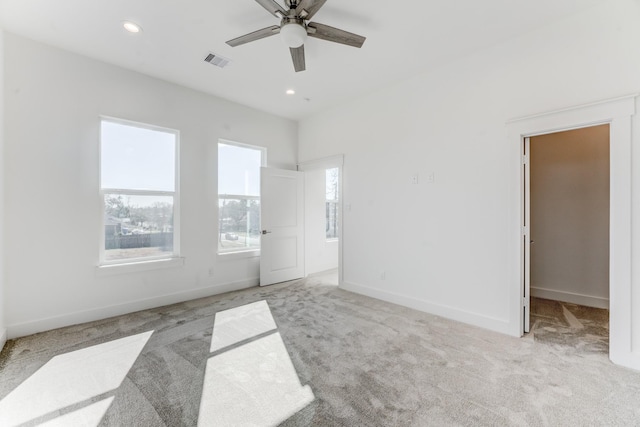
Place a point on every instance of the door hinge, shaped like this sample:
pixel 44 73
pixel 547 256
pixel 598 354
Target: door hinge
pixel 525 302
pixel 525 230
pixel 525 159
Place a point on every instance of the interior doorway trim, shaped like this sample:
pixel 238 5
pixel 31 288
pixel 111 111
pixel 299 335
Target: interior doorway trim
pixel 617 113
pixel 336 161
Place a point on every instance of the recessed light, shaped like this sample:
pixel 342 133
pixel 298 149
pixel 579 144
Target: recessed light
pixel 132 27
pixel 291 92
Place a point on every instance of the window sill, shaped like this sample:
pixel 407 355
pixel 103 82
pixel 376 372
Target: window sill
pixel 138 266
pixel 253 253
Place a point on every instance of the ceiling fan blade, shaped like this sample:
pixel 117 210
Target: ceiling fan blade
pixel 297 54
pixel 310 6
pixel 256 35
pixel 273 7
pixel 325 32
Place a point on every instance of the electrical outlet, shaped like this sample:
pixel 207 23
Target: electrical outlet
pixel 383 275
pixel 211 271
pixel 414 179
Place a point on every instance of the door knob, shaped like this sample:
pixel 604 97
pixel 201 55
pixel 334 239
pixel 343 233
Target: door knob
pixel 265 232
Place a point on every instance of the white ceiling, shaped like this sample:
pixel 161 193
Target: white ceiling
pixel 404 38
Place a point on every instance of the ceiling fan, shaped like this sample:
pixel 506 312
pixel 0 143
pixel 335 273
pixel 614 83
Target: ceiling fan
pixel 294 28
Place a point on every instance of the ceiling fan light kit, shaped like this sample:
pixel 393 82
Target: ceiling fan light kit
pixel 294 29
pixel 293 34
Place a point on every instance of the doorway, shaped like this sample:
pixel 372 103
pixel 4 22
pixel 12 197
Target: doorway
pixel 624 339
pixel 323 215
pixel 568 186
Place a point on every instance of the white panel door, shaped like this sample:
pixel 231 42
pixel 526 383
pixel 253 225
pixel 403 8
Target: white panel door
pixel 281 216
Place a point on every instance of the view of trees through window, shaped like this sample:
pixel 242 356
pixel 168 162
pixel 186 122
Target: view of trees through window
pixel 238 197
pixel 138 226
pixel 137 184
pixel 332 202
pixel 239 223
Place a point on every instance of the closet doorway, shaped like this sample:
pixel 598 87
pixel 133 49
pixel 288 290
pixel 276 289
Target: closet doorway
pixel 568 209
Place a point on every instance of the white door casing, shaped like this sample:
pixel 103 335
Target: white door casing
pixel 617 113
pixel 526 234
pixel 282 224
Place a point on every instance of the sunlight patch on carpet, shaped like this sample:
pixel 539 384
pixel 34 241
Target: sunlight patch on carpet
pixel 241 323
pixel 87 416
pixel 255 383
pixel 72 378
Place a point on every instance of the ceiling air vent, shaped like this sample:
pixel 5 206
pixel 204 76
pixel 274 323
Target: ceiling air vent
pixel 217 60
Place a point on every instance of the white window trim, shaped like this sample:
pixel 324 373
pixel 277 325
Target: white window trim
pixel 146 263
pixel 238 196
pixel 240 253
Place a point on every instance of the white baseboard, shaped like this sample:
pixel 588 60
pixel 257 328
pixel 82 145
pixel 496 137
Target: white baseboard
pixel 3 338
pixel 464 316
pixel 580 299
pixel 41 325
pixel 323 272
pixel 629 359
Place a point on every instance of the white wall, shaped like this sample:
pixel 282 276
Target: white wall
pixel 53 103
pixel 3 335
pixel 444 245
pixel 570 216
pixel 320 254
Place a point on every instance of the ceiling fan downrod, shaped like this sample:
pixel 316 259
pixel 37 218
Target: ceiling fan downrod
pixel 291 4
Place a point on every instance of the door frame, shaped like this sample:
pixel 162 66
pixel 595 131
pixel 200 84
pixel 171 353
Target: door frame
pixel 526 232
pixel 617 113
pixel 336 161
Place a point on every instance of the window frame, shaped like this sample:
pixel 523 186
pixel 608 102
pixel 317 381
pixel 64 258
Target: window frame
pixel 143 261
pixel 240 252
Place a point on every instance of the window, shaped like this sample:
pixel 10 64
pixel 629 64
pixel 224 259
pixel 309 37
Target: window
pixel 332 202
pixel 239 196
pixel 138 183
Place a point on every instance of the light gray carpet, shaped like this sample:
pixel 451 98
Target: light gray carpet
pixel 366 363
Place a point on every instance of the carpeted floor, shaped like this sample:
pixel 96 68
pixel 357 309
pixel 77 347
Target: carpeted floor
pixel 306 353
pixel 556 322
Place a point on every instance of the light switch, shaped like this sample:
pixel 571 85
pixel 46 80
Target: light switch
pixel 431 178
